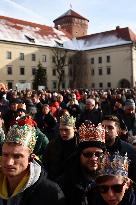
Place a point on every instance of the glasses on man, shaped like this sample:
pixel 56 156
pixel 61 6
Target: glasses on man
pixel 116 188
pixel 92 154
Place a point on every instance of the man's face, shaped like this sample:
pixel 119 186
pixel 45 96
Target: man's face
pixel 14 159
pixel 14 106
pixel 45 110
pixel 89 158
pixel 129 110
pixel 90 105
pixel 111 197
pixel 34 99
pixel 111 131
pixel 66 132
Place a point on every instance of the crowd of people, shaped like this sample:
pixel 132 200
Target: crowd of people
pixel 68 147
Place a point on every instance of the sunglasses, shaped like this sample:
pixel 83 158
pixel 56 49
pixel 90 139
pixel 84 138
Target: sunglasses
pixel 92 154
pixel 117 188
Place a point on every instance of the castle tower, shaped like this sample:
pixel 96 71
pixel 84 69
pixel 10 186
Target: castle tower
pixel 73 23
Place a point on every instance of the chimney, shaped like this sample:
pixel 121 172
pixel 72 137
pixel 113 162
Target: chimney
pixel 59 27
pixel 117 27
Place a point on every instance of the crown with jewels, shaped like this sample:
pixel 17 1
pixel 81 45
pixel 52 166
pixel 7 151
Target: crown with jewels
pixel 116 165
pixel 22 132
pixel 90 132
pixel 68 120
pixel 2 135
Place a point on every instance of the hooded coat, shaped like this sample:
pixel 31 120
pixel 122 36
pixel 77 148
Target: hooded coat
pixel 34 189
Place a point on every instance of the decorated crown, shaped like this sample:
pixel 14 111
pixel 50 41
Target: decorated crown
pixel 23 133
pixel 90 132
pixel 2 135
pixel 67 120
pixel 116 165
pixel 26 119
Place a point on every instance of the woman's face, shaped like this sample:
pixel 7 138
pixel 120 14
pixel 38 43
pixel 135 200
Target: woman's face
pixel 45 110
pixel 113 189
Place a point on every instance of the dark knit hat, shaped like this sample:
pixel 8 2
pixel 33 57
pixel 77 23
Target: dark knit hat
pixel 130 103
pixel 15 101
pixel 87 144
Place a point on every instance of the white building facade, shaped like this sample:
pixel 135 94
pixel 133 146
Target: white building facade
pixel 110 56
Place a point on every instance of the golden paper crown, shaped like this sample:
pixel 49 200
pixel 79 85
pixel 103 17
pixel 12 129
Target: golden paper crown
pixel 90 132
pixel 2 135
pixel 22 133
pixel 67 120
pixel 116 165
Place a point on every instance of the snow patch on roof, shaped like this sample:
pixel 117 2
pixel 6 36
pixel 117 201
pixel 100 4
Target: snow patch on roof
pixel 95 42
pixel 19 33
pixel 26 32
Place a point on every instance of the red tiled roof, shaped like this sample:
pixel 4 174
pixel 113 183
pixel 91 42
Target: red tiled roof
pixel 70 13
pixel 43 29
pixel 127 34
pixel 33 33
pixel 123 33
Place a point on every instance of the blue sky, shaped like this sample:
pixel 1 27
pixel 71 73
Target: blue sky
pixel 103 15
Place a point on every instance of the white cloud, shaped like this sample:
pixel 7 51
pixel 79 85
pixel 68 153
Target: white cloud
pixel 12 8
pixel 102 14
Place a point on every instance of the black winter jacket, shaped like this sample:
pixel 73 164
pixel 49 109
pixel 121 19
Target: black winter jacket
pixel 56 154
pixel 41 192
pixel 75 185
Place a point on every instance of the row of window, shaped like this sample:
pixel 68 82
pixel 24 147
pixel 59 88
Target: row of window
pixel 44 58
pixel 93 60
pixel 54 72
pixel 100 59
pixel 22 70
pixel 101 85
pixel 100 71
pixel 54 84
pixel 22 56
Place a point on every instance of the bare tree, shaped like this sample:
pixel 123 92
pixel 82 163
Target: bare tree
pixel 60 63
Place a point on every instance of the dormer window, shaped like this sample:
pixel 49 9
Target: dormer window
pixel 59 44
pixel 29 38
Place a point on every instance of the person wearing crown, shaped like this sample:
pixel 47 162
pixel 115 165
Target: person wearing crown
pixel 115 144
pixel 22 179
pixel 113 187
pixel 41 141
pixel 61 147
pixel 81 170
